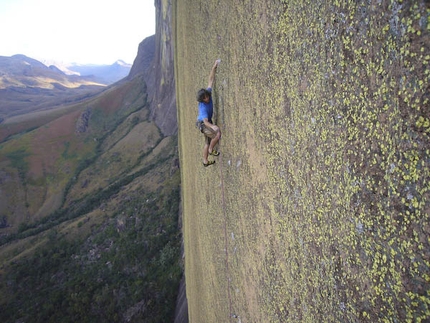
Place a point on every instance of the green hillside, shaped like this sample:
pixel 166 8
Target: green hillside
pixel 89 214
pixel 318 208
pixel 47 159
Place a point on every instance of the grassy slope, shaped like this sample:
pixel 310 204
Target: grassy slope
pixel 317 209
pixel 93 216
pixel 47 158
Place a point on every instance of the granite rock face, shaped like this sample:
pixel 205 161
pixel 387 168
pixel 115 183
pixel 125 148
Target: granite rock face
pixel 144 58
pixel 155 61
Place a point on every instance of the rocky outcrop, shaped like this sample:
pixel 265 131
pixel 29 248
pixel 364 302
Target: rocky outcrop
pixel 82 123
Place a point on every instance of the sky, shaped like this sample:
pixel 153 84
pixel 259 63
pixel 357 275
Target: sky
pixel 75 31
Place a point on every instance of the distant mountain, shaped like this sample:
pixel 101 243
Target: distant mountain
pixel 27 85
pixel 23 71
pixel 106 74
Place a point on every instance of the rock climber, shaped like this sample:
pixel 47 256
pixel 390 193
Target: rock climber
pixel 210 131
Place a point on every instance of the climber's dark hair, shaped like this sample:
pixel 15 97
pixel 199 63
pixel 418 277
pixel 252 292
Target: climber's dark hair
pixel 201 94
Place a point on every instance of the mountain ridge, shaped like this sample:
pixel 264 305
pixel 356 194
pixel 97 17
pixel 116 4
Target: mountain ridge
pixel 22 65
pixel 27 85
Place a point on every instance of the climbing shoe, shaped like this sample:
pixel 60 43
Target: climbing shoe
pixel 210 162
pixel 214 153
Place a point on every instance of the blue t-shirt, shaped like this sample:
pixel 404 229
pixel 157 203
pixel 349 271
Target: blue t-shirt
pixel 206 109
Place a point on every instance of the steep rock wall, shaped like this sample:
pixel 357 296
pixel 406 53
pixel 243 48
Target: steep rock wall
pixel 317 209
pixel 155 61
pixel 145 57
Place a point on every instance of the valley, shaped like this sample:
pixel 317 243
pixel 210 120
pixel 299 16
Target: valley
pixel 89 200
pixel 27 86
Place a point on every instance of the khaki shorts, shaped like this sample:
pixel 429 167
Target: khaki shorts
pixel 208 132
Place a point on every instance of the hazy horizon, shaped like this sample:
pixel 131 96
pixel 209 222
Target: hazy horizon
pixel 49 62
pixel 80 32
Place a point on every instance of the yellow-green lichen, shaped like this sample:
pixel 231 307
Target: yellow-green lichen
pixel 323 179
